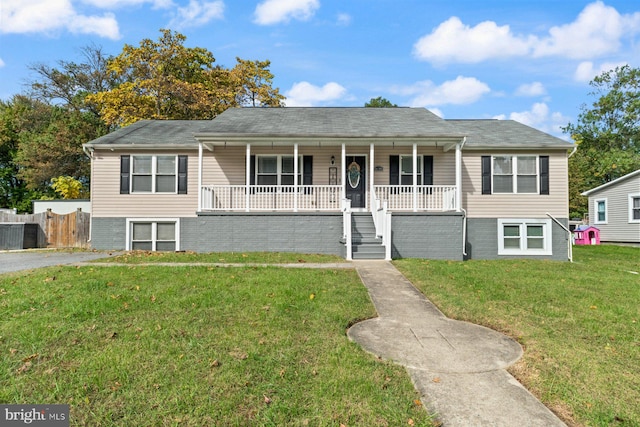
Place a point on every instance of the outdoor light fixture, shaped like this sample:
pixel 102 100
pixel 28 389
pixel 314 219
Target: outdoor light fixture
pixel 333 160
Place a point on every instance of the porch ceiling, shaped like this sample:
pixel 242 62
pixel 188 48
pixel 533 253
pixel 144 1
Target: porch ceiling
pixel 445 142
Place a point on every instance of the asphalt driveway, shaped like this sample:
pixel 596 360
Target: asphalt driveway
pixel 26 260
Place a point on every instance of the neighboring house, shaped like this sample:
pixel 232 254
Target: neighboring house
pixel 62 206
pixel 358 182
pixel 614 208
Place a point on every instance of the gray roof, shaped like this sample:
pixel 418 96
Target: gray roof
pixel 493 133
pixel 329 122
pixel 154 132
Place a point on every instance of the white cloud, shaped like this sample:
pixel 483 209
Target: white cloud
pixel 116 4
pixel 539 117
pixel 304 94
pixel 452 41
pixel 344 19
pixel 1 63
pixel 586 71
pixel 598 30
pixel 461 91
pixel 271 12
pixel 33 16
pixel 531 89
pixel 197 13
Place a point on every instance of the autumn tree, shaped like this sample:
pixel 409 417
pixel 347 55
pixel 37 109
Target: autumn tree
pixel 607 134
pixel 165 80
pixel 379 102
pixel 252 84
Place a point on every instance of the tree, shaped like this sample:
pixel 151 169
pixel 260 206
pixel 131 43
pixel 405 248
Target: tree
pixel 607 134
pixel 15 116
pixel 70 84
pixel 379 102
pixel 40 141
pixel 253 84
pixel 68 187
pixel 165 80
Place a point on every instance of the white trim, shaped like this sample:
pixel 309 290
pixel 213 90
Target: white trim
pixel 596 219
pixel 522 224
pixel 615 181
pixel 631 197
pixel 514 173
pixel 130 221
pixel 154 174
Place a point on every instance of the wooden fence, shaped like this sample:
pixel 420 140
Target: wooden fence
pixel 57 231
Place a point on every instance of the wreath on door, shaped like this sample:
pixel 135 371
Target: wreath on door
pixel 353 173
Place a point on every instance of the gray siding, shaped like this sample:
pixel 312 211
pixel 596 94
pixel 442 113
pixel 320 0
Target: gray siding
pixel 482 240
pixel 108 233
pixel 618 228
pixel 273 232
pixel 423 235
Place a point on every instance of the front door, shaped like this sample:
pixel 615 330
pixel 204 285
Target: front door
pixel 355 181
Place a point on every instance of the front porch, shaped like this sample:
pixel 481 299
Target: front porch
pixel 325 198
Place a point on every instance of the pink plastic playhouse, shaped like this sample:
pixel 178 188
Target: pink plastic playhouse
pixel 586 235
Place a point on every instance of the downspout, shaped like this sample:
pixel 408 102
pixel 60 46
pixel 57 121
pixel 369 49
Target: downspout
pixel 88 151
pixel 464 232
pixel 200 176
pixel 459 195
pixel 572 152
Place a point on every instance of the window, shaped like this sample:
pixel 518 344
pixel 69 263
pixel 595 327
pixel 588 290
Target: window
pixel 277 170
pixel 406 170
pixel 153 174
pixel 524 237
pixel 401 170
pixel 515 174
pixel 634 207
pixel 601 211
pixel 153 235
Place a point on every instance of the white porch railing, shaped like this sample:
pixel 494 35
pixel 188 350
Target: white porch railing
pixel 382 221
pixel 346 229
pixel 271 198
pixel 324 198
pixel 429 197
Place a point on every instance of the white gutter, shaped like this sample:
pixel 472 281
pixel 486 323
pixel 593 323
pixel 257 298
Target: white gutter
pixel 572 152
pixel 570 254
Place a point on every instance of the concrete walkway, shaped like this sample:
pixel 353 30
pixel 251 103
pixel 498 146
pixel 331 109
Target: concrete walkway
pixel 458 367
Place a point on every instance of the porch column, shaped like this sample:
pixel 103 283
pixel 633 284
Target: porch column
pixel 372 194
pixel 248 178
pixel 459 175
pixel 343 168
pixel 415 177
pixel 199 175
pixel 295 177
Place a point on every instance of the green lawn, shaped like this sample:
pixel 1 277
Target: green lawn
pixel 192 346
pixel 142 257
pixel 579 324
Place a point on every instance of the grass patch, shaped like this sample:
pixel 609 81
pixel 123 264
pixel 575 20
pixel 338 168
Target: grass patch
pixel 139 257
pixel 192 346
pixel 579 324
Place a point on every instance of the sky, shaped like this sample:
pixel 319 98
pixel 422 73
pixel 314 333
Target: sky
pixel 529 61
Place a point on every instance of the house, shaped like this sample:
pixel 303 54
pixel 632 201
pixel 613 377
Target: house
pixel 358 182
pixel 614 208
pixel 586 235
